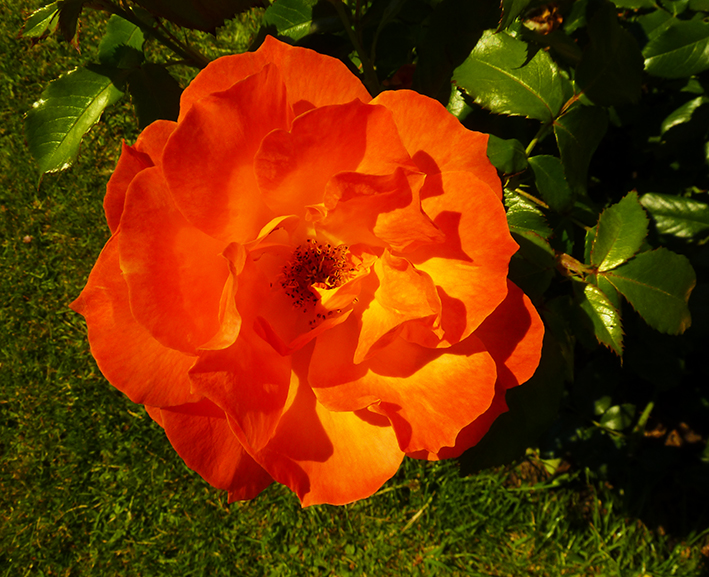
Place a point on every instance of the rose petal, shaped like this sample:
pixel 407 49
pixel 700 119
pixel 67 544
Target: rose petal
pixel 201 435
pixel 421 122
pixel 335 85
pixel 128 356
pixel 325 456
pixel 292 168
pixel 403 294
pixel 513 335
pixel 478 249
pixel 378 210
pixel 249 381
pixel 208 160
pixel 175 273
pixel 429 395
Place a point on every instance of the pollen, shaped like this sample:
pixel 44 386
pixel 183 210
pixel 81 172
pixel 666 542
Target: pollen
pixel 314 264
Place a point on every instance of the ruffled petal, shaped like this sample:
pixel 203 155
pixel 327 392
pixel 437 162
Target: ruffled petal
pixel 208 161
pixel 292 168
pixel 249 381
pixel 404 294
pixel 429 395
pixel 175 273
pixel 470 268
pixel 201 435
pixel 326 456
pixel 513 335
pixel 128 356
pixel 380 211
pixel 335 85
pixel 422 120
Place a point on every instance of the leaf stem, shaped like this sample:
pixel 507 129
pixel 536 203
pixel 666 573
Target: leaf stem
pixel 370 75
pixel 541 133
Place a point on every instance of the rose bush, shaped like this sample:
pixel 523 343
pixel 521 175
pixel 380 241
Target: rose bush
pixel 305 284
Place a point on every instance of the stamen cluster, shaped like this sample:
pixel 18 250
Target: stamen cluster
pixel 314 264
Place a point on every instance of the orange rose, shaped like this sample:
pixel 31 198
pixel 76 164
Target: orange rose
pixel 305 284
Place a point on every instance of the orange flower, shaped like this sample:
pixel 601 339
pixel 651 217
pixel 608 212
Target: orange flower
pixel 305 284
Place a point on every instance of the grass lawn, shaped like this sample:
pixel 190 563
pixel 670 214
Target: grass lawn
pixel 90 485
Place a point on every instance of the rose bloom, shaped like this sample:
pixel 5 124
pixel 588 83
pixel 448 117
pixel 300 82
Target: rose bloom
pixel 305 284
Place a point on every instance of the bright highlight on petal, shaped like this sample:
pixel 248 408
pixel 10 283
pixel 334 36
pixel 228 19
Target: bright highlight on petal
pixel 305 285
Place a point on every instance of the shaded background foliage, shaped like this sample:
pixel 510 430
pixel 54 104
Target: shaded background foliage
pixel 600 131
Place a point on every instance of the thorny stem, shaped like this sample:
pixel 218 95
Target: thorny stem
pixel 370 74
pixel 187 53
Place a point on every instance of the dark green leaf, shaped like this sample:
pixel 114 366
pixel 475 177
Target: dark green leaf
pixel 533 407
pixel 655 23
pixel 634 4
pixel 69 13
pixel 510 10
pixel 507 156
pixel 683 114
pixel 69 107
pixel 680 50
pixel 658 285
pixel 604 317
pixel 676 215
pixel 524 215
pixel 618 417
pixel 622 228
pixel 675 7
pixel 156 94
pixel 610 71
pixel 699 5
pixel 296 18
pixel 197 14
pixel 532 266
pixel 42 21
pixel 550 181
pixel 122 45
pixel 507 76
pixel 578 132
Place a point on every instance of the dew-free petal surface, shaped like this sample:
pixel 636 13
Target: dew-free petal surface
pixel 128 356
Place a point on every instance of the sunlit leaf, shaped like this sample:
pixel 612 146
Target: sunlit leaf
pixel 122 45
pixel 622 228
pixel 42 21
pixel 508 76
pixel 69 107
pixel 658 285
pixel 619 417
pixel 676 215
pixel 507 156
pixel 604 317
pixel 683 114
pixel 610 71
pixel 680 50
pixel 578 133
pixel 551 183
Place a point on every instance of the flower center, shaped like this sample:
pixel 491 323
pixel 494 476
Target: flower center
pixel 314 264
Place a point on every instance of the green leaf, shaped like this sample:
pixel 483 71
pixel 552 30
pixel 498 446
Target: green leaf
pixel 699 5
pixel 604 317
pixel 69 13
pixel 683 114
pixel 675 7
pixel 622 228
pixel 155 94
pixel 578 133
pixel 524 215
pixel 658 285
pixel 676 215
pixel 618 417
pixel 42 21
pixel 204 15
pixel 507 76
pixel 507 156
pixel 680 50
pixel 296 18
pixel 122 45
pixel 510 10
pixel 532 266
pixel 634 4
pixel 610 71
pixel 69 107
pixel 655 23
pixel 550 181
